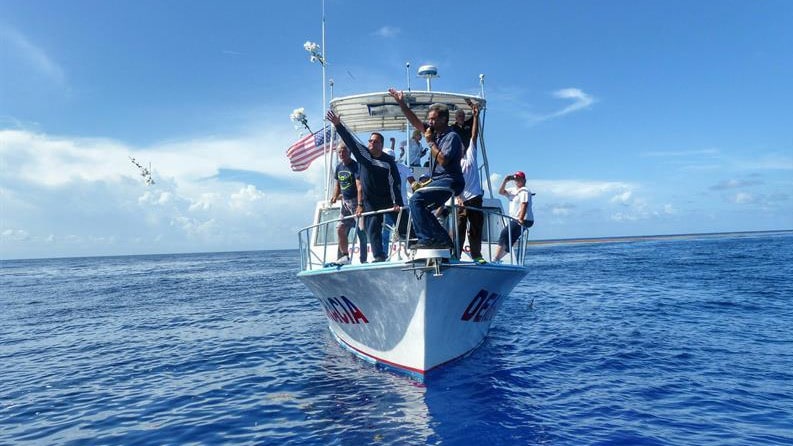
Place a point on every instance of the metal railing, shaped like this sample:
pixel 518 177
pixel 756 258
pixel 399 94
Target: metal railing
pixel 314 253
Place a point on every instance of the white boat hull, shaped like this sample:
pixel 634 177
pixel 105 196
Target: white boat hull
pixel 408 318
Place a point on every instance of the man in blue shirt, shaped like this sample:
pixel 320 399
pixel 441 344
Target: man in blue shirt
pixel 446 150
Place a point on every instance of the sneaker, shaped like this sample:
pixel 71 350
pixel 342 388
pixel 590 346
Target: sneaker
pixel 480 261
pixel 343 260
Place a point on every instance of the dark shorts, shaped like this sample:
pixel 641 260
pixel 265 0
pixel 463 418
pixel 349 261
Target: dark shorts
pixel 513 231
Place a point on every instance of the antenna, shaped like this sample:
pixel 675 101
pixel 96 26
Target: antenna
pixel 407 74
pixel 428 72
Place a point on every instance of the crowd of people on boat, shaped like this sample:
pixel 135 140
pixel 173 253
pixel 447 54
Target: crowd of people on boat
pixel 376 181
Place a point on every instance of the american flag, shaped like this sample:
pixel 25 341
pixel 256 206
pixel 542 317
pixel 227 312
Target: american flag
pixel 307 149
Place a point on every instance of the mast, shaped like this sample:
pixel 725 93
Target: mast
pixel 482 135
pixel 325 154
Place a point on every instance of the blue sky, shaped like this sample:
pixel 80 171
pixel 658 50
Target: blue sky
pixel 629 118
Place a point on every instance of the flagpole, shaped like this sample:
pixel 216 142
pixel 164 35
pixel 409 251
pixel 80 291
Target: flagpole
pixel 324 105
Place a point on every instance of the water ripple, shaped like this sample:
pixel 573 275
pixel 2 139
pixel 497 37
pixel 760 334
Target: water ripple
pixel 663 342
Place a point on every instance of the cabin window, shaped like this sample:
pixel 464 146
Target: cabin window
pixel 493 225
pixel 327 233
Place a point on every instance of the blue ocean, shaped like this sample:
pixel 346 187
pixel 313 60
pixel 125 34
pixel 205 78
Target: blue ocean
pixel 659 342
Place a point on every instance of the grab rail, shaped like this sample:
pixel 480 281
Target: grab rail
pixel 315 255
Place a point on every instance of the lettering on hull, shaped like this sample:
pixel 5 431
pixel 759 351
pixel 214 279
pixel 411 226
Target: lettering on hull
pixel 342 310
pixel 482 307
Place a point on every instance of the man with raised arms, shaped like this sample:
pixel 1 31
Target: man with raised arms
pixel 380 180
pixel 446 150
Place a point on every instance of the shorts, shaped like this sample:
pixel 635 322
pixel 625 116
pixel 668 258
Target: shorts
pixel 347 209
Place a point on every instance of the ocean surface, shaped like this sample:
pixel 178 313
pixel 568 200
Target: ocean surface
pixel 662 342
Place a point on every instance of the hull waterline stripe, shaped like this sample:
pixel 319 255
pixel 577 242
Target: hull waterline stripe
pixel 400 366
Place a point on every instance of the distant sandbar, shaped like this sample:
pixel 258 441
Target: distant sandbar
pixel 638 238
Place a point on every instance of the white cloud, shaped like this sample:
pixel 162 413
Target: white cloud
pixel 83 196
pixel 734 184
pixel 579 189
pixel 682 153
pixel 743 198
pixel 580 101
pixel 31 55
pixel 387 32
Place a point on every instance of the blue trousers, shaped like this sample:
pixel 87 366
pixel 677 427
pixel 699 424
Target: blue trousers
pixel 389 220
pixel 427 227
pixel 374 232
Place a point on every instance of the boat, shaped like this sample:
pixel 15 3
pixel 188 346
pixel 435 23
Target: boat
pixel 420 309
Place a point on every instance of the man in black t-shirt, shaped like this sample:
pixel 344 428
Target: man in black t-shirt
pixel 347 185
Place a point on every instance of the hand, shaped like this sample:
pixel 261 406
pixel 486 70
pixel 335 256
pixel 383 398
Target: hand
pixel 333 199
pixel 397 95
pixel 459 200
pixel 429 135
pixel 333 118
pixel 396 208
pixel 358 210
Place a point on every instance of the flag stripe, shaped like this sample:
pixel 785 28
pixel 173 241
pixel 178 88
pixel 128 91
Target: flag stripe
pixel 308 148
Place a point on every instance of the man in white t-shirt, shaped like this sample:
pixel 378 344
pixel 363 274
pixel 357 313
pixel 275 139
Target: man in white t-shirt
pixel 471 221
pixel 519 210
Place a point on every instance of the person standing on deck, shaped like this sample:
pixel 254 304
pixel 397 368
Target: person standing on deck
pixel 380 179
pixel 347 188
pixel 519 210
pixel 463 127
pixel 472 195
pixel 445 154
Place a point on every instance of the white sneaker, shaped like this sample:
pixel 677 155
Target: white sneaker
pixel 343 260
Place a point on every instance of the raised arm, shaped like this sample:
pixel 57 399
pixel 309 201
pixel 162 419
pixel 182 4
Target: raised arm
pixel 361 153
pixel 414 120
pixel 502 190
pixel 474 123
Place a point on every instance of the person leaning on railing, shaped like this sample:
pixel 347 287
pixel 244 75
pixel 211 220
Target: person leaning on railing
pixel 519 210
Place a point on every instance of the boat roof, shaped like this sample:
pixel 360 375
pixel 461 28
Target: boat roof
pixel 379 111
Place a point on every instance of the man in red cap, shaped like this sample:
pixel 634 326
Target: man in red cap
pixel 519 210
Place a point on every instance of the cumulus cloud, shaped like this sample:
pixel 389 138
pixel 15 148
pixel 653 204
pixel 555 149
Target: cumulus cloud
pixel 580 189
pixel 387 32
pixel 83 196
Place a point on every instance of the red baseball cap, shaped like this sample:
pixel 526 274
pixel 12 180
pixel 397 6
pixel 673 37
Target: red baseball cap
pixel 520 174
